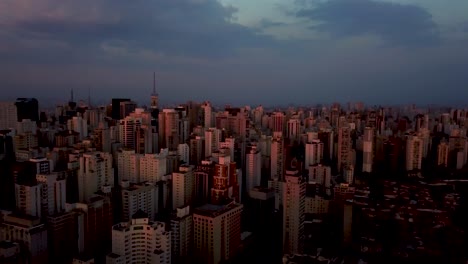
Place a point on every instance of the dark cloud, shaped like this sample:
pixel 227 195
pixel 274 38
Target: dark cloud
pixel 198 28
pixel 395 23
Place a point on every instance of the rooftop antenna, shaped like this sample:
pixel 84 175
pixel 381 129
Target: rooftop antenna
pixel 71 99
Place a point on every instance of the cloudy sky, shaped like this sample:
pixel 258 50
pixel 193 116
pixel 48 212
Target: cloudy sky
pixel 236 51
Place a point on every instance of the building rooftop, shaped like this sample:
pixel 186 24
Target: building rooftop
pixel 212 210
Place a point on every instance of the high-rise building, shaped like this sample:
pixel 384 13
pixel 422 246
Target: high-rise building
pixel 27 108
pixel 279 122
pixel 183 187
pixel 313 153
pixel 253 168
pixel 138 197
pixel 212 141
pixel 368 156
pixel 344 147
pixel 128 165
pixel 294 194
pixel 320 174
pixel 62 236
pixel 126 107
pixel 414 152
pixel 128 128
pixel 169 129
pixel 8 115
pixel 197 150
pixel 28 199
pixel 293 129
pixel 207 115
pixel 140 241
pixel 203 181
pixel 94 224
pixel 442 154
pixel 217 232
pixel 277 158
pixel 95 172
pixel 79 125
pixel 182 235
pixel 116 107
pixel 225 183
pixel 53 193
pixel 183 151
pixel 153 167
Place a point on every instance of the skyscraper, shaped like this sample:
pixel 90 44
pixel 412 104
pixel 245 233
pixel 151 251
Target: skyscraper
pixel 344 147
pixel 95 172
pixel 294 193
pixel 27 108
pixel 368 142
pixel 183 187
pixel 253 168
pixel 8 115
pixel 414 152
pixel 182 234
pixel 217 232
pixel 313 153
pixel 277 158
pixel 53 193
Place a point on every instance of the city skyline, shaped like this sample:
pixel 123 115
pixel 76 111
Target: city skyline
pixel 270 52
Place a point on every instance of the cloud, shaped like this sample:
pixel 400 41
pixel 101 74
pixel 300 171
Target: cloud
pixel 398 24
pixel 194 28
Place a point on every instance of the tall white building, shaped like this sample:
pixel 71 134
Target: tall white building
pixel 294 193
pixel 137 197
pixel 80 125
pixel 217 232
pixel 140 241
pixel 153 167
pixel 95 172
pixel 207 114
pixel 368 156
pixel 414 152
pixel 313 153
pixel 183 151
pixel 128 164
pixel 212 141
pixel 8 115
pixel 293 129
pixel 53 193
pixel 442 154
pixel 183 187
pixel 28 199
pixel 253 168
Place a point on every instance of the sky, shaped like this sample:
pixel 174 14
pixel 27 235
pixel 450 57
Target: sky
pixel 270 52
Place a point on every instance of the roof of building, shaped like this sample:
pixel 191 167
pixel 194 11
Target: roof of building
pixel 212 210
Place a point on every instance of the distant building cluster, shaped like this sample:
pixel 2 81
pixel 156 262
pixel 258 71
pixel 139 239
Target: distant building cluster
pixel 124 184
